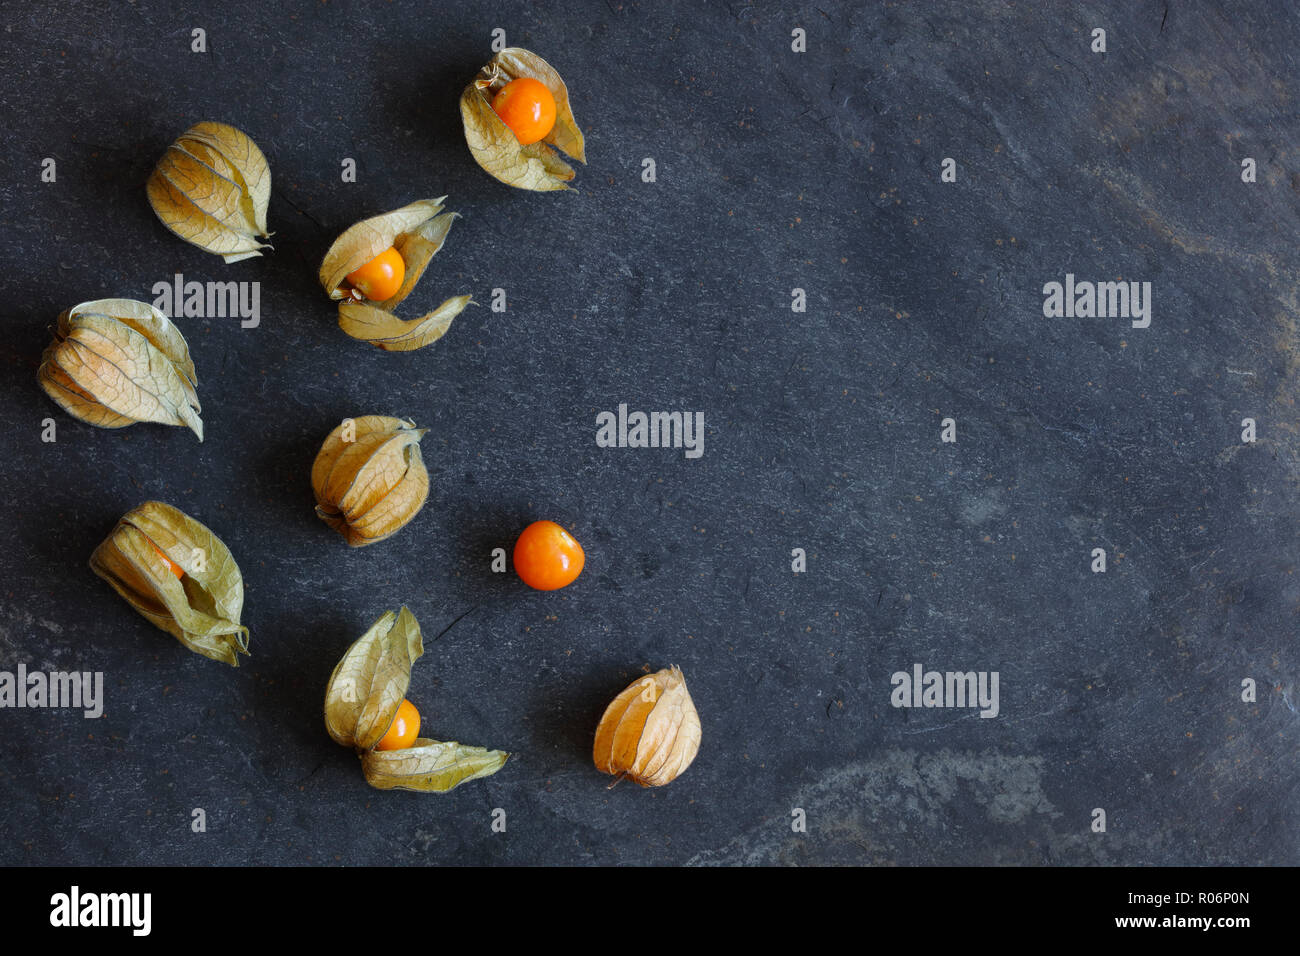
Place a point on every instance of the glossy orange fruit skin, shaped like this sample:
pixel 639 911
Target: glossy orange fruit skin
pixel 380 278
pixel 404 729
pixel 172 566
pixel 527 107
pixel 547 557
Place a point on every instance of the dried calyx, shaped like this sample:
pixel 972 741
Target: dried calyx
pixel 115 362
pixel 416 232
pixel 537 166
pixel 212 188
pixel 369 478
pixel 650 733
pixel 363 696
pixel 179 576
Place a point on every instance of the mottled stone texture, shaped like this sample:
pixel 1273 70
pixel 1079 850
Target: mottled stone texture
pixel 775 171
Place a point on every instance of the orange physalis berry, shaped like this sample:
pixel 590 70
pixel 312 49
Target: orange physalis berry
pixel 547 557
pixel 404 729
pixel 380 278
pixel 172 566
pixel 527 107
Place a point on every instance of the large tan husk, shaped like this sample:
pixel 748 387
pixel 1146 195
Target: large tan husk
pixel 202 609
pixel 212 188
pixel 115 362
pixel 650 733
pixel 417 231
pixel 367 489
pixel 494 147
pixel 362 698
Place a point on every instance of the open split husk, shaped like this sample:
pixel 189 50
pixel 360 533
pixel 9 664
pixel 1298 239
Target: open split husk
pixel 650 733
pixel 494 147
pixel 362 697
pixel 115 362
pixel 212 188
pixel 202 609
pixel 417 232
pixel 369 478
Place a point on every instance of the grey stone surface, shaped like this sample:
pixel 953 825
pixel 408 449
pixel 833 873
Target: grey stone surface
pixel 775 170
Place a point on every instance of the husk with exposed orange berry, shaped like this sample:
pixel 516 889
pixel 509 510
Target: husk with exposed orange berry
pixel 538 166
pixel 417 231
pixel 362 698
pixel 202 606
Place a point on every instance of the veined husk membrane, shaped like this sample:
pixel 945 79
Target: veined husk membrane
pixel 212 188
pixel 650 733
pixel 369 478
pixel 116 362
pixel 200 609
pixel 364 692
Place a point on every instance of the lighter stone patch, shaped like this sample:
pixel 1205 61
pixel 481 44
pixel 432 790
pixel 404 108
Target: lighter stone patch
pixel 887 800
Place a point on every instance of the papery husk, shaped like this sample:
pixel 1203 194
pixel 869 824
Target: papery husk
pixel 362 699
pixel 212 188
pixel 386 331
pixel 430 765
pixel 368 489
pixel 370 681
pixel 650 733
pixel 202 609
pixel 116 362
pixel 417 231
pixel 494 147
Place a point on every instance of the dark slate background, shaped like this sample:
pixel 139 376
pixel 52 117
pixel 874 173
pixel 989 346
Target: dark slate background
pixel 775 170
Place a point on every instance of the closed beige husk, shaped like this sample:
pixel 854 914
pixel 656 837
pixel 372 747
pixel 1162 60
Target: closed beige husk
pixel 115 362
pixel 651 731
pixel 369 478
pixel 212 188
